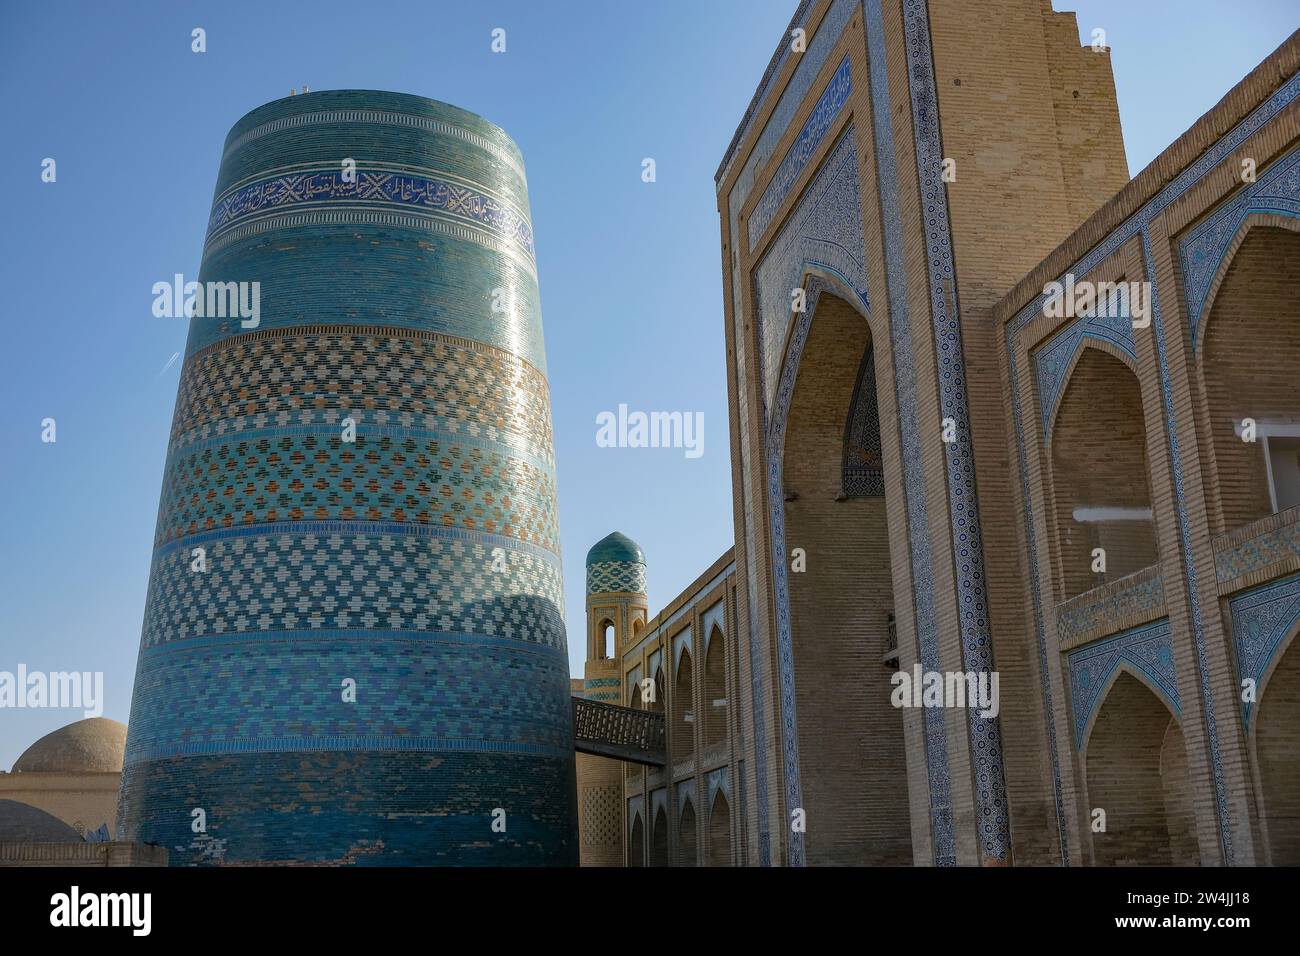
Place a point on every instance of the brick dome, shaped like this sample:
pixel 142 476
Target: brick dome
pixel 94 745
pixel 22 823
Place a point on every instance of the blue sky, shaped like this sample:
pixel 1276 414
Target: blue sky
pixel 630 272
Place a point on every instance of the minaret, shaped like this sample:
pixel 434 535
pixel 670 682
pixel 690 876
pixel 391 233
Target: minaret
pixel 353 647
pixel 617 610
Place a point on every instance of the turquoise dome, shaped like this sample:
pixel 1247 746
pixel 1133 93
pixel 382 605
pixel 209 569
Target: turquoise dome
pixel 615 547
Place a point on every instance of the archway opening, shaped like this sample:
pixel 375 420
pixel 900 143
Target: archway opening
pixel 720 831
pixel 607 640
pixel 686 836
pixel 1137 776
pixel 659 839
pixel 1251 336
pixel 1104 527
pixel 852 761
pixel 683 716
pixel 636 845
pixel 1277 755
pixel 714 703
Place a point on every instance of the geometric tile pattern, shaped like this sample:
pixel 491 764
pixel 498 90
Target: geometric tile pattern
pixel 920 554
pixel 260 477
pixel 601 823
pixel 1262 619
pixel 607 689
pixel 801 150
pixel 317 577
pixel 317 376
pixel 1234 557
pixel 615 576
pixel 1145 649
pixel 863 474
pixel 1107 606
pixel 824 232
pixel 963 502
pixel 282 691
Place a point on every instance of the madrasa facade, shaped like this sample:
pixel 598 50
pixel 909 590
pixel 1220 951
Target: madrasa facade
pixel 1016 486
pixel 1016 490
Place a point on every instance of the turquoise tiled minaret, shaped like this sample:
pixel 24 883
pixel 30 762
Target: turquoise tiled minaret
pixel 353 649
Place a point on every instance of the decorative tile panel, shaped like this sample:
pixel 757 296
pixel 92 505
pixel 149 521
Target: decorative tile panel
pixel 863 467
pixel 824 233
pixel 1114 606
pixel 614 576
pixel 963 503
pixel 1146 649
pixel 942 836
pixel 832 102
pixel 1270 546
pixel 1201 251
pixel 1262 620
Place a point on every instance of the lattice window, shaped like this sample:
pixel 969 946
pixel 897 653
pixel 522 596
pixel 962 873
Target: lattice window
pixel 863 470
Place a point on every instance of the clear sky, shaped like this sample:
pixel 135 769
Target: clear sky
pixel 630 272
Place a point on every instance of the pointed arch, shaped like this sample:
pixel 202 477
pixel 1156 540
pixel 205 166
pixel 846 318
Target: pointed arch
pixel 659 837
pixel 1050 403
pixel 1135 767
pixel 1275 752
pixel 832 624
pixel 683 708
pixel 636 842
pixel 1200 310
pixel 1248 336
pixel 719 830
pixel 714 700
pixel 686 837
pixel 1098 477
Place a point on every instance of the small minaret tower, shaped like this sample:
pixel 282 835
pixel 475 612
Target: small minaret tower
pixel 617 611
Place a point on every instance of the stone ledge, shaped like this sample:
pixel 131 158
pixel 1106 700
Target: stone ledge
pixel 1111 608
pixel 81 854
pixel 1257 552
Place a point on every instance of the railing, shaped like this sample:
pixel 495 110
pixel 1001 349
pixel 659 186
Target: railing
pixel 607 730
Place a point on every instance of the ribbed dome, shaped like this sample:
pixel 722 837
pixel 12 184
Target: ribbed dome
pixel 615 547
pixel 21 823
pixel 94 745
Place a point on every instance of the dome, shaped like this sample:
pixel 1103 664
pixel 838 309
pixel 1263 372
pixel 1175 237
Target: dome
pixel 94 745
pixel 615 547
pixel 21 823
